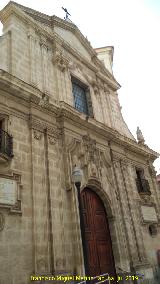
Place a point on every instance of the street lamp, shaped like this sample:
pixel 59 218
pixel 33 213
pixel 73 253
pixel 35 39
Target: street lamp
pixel 77 175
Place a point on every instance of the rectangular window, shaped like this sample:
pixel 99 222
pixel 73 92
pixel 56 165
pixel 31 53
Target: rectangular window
pixel 6 140
pixel 141 182
pixel 79 92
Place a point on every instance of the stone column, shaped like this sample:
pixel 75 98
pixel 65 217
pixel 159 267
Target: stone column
pixel 119 240
pixel 32 58
pixel 58 203
pixel 107 108
pixel 133 208
pixel 125 211
pixel 40 204
pixel 9 53
pixel 45 67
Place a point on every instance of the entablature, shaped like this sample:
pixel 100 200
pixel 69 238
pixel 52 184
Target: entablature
pixel 17 87
pixel 106 132
pixel 21 90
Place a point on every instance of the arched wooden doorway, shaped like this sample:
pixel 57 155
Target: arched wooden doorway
pixel 97 235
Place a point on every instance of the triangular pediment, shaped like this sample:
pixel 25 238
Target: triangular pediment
pixel 67 30
pixel 68 34
pixel 72 39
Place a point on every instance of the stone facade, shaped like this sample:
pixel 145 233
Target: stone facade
pixel 158 180
pixel 40 233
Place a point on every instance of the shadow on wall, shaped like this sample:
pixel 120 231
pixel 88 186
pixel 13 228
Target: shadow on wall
pixel 156 273
pixel 1 27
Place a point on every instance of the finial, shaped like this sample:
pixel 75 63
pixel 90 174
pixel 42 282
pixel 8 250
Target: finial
pixel 67 13
pixel 140 137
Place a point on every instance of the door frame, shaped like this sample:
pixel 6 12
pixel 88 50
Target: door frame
pixel 95 186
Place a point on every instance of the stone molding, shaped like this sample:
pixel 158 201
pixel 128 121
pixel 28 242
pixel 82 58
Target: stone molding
pixel 90 147
pixel 68 112
pixel 42 126
pixel 37 135
pixel 52 140
pixel 24 17
pixel 97 66
pixel 96 87
pixel 60 60
pixel 42 265
pixel 73 28
pixel 127 160
pixel 16 208
pixel 114 135
pixel 18 88
pixel 104 77
pixel 35 17
pixel 85 153
pixel 152 170
pixel 54 20
pixel 96 185
pixel 2 221
pixel 44 101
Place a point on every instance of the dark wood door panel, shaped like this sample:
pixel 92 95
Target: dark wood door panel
pixel 92 254
pixel 97 234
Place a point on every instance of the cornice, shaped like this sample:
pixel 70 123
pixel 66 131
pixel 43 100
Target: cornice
pixel 118 157
pixel 40 125
pixel 26 94
pixel 56 21
pixel 114 85
pixel 52 36
pixel 13 8
pixel 17 87
pixel 108 133
pixel 47 107
pixel 76 54
pixel 32 16
pixel 111 82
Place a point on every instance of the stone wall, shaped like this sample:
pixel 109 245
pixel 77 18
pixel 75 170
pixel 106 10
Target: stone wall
pixel 35 53
pixel 17 235
pixel 41 233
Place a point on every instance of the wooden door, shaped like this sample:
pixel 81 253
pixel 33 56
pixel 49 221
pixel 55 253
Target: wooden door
pixel 97 235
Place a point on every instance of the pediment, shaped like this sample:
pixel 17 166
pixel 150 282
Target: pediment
pixel 67 30
pixel 72 39
pixel 65 33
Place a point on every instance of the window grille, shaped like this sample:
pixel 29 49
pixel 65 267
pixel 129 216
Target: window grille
pixel 142 183
pixel 80 97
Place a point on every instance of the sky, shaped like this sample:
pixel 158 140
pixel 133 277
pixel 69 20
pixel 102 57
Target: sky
pixel 132 27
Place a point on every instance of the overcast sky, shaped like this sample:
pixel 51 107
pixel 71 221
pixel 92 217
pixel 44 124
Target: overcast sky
pixel 133 28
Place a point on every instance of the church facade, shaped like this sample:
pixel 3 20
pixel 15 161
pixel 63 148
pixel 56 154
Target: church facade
pixel 59 108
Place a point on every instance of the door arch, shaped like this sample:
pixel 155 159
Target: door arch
pixel 97 235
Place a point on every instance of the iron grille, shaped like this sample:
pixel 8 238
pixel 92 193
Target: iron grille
pixel 143 186
pixel 80 99
pixel 6 144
